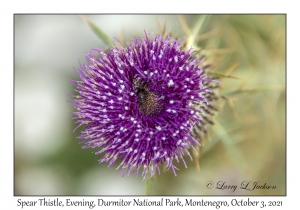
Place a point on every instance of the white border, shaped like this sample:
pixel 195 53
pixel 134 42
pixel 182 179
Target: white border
pixel 154 6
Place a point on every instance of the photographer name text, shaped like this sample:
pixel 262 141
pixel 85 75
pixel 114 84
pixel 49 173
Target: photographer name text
pixel 245 185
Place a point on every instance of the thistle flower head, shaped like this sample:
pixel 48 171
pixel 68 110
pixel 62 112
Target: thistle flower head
pixel 140 104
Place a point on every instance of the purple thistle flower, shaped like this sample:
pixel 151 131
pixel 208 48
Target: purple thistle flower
pixel 141 103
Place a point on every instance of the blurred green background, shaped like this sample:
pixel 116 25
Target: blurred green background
pixel 248 142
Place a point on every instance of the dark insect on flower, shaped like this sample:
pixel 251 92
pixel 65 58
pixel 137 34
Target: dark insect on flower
pixel 143 104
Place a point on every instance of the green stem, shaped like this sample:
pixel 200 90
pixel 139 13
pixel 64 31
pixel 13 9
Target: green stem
pixel 97 30
pixel 195 30
pixel 149 185
pixel 219 74
pixel 255 90
pixel 229 144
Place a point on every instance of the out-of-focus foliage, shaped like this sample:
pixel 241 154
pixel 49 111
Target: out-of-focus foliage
pixel 247 143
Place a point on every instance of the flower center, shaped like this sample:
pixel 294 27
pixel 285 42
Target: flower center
pixel 150 103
